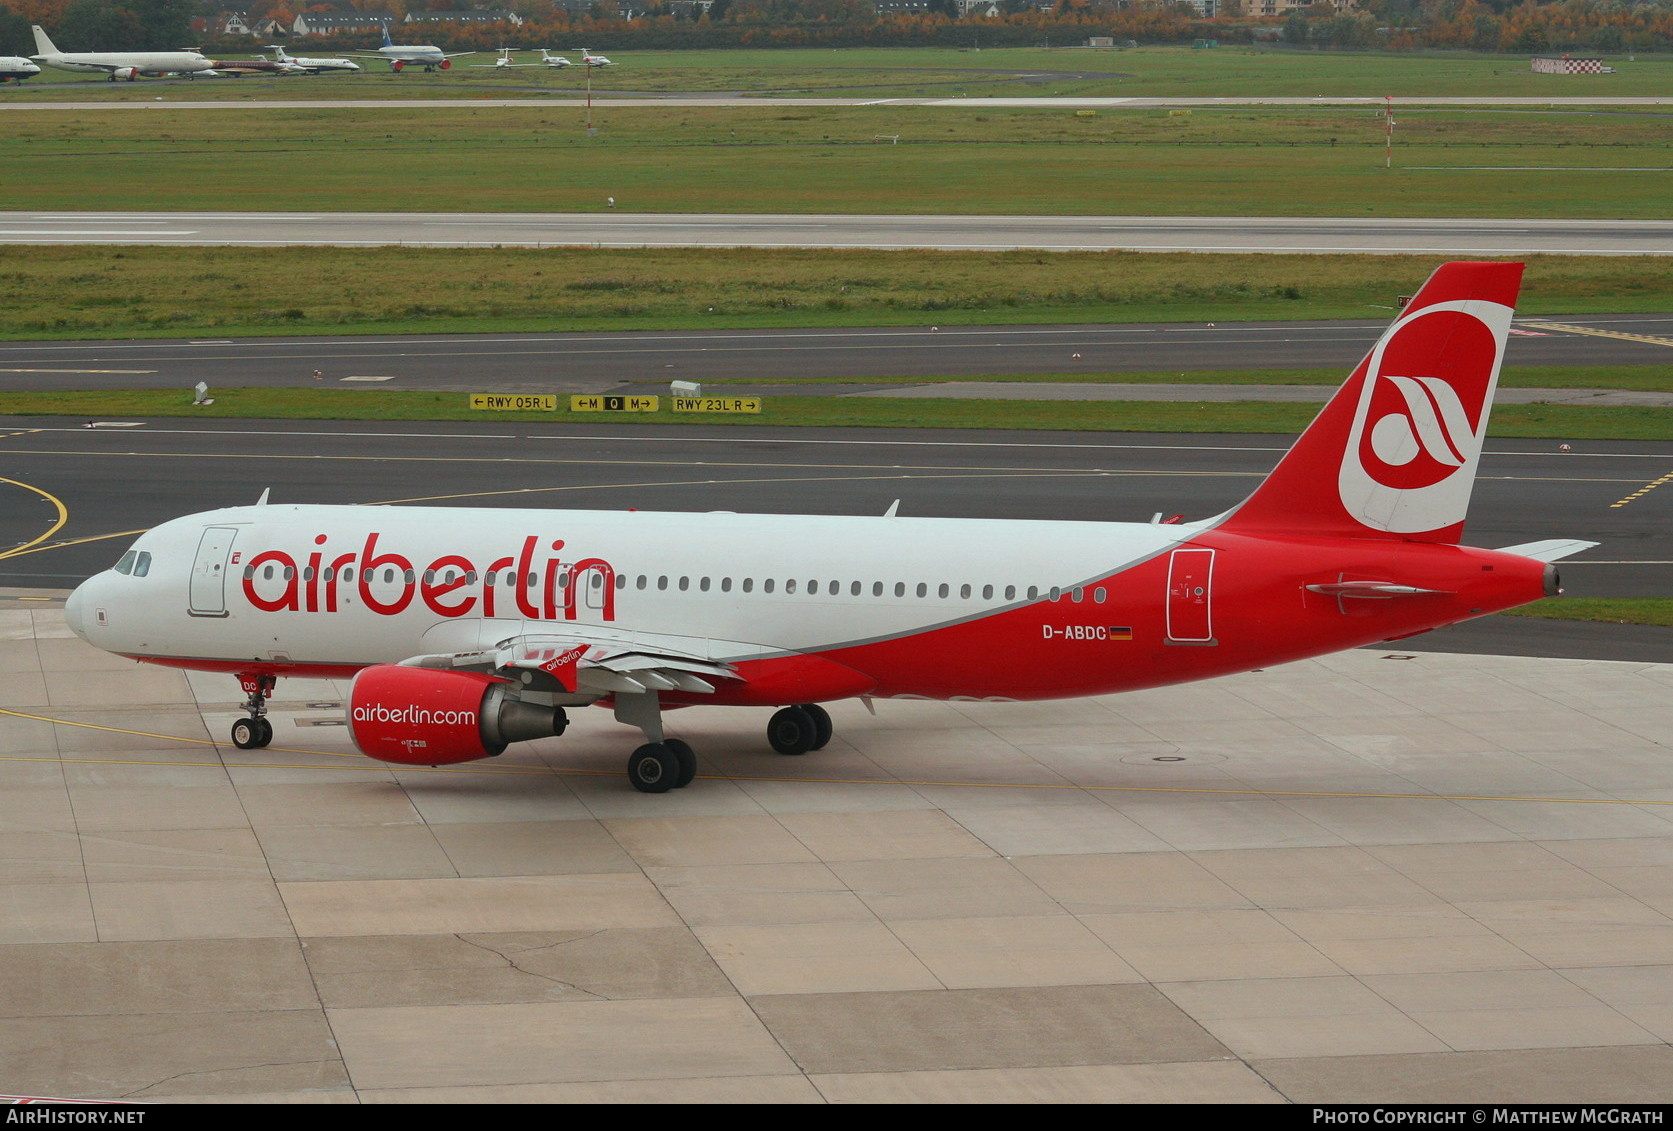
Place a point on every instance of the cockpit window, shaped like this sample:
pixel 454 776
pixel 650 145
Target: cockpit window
pixel 142 564
pixel 125 564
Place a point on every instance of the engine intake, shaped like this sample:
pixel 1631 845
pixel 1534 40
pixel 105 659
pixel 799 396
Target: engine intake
pixel 424 717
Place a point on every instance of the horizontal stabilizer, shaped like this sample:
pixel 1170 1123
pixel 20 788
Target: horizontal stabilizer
pixel 1550 550
pixel 1371 589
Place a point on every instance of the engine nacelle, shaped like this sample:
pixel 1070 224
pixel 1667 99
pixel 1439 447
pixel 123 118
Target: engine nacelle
pixel 446 64
pixel 398 66
pixel 424 717
pixel 127 74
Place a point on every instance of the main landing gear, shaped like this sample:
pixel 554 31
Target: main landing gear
pixel 254 732
pixel 798 729
pixel 663 763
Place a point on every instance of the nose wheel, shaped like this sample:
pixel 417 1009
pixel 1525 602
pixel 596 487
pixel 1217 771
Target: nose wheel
pixel 254 732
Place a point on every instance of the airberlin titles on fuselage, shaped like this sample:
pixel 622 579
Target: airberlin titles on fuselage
pixel 531 583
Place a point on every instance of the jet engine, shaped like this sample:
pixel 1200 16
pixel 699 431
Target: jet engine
pixel 446 64
pixel 130 74
pixel 424 717
pixel 398 65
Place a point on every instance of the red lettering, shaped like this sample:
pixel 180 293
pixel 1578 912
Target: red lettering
pixel 286 601
pixel 432 591
pixel 369 561
pixel 525 568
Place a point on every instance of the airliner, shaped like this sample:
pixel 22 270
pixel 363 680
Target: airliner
pixel 15 68
pixel 465 631
pixel 312 66
pixel 399 57
pixel 114 65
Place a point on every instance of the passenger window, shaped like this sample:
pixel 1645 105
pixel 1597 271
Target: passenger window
pixel 1010 592
pixel 987 592
pixel 877 589
pixel 900 589
pixel 685 583
pixel 1098 595
pixel 790 585
pixel 964 592
pixel 726 585
pixel 942 590
pixel 923 589
pixel 749 584
pixel 703 584
pixel 767 585
pixel 640 581
pixel 1077 595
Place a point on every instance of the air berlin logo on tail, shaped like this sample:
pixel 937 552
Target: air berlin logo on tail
pixel 1420 432
pixel 1410 458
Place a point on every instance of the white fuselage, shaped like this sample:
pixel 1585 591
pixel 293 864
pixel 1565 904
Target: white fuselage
pixel 428 56
pixel 140 62
pixel 347 587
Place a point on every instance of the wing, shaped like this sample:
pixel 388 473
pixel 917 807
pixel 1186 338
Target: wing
pixel 591 664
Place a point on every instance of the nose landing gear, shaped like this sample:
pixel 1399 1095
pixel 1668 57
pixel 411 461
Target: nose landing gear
pixel 254 732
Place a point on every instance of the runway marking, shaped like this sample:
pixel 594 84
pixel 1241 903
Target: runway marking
pixel 33 549
pixel 1592 331
pixel 366 764
pixel 1642 491
pixel 63 517
pixel 119 371
pixel 741 482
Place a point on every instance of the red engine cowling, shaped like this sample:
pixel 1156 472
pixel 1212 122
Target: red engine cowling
pixel 425 717
pixel 446 64
pixel 129 74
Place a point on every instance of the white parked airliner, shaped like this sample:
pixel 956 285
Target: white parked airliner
pixel 465 631
pixel 400 57
pixel 116 65
pixel 15 68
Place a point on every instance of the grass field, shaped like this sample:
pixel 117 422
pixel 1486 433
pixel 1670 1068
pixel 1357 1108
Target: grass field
pixel 799 159
pixel 1608 610
pixel 69 292
pixel 943 72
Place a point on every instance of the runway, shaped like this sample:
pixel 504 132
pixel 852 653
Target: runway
pixel 1439 237
pixel 603 362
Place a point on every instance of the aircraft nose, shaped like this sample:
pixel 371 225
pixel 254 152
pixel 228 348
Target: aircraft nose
pixel 75 609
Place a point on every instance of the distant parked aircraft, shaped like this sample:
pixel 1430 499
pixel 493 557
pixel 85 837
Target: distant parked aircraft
pixel 503 62
pixel 588 59
pixel 15 68
pixel 552 60
pixel 238 68
pixel 115 65
pixel 313 66
pixel 430 58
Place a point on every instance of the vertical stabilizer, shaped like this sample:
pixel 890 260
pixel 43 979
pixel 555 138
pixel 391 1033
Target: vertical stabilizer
pixel 1394 453
pixel 43 45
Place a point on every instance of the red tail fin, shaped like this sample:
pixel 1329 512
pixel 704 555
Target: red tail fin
pixel 1394 453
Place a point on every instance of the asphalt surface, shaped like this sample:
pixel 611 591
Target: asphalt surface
pixel 1440 237
pixel 113 482
pixel 599 362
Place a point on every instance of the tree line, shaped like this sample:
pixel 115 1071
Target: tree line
pixel 1526 27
